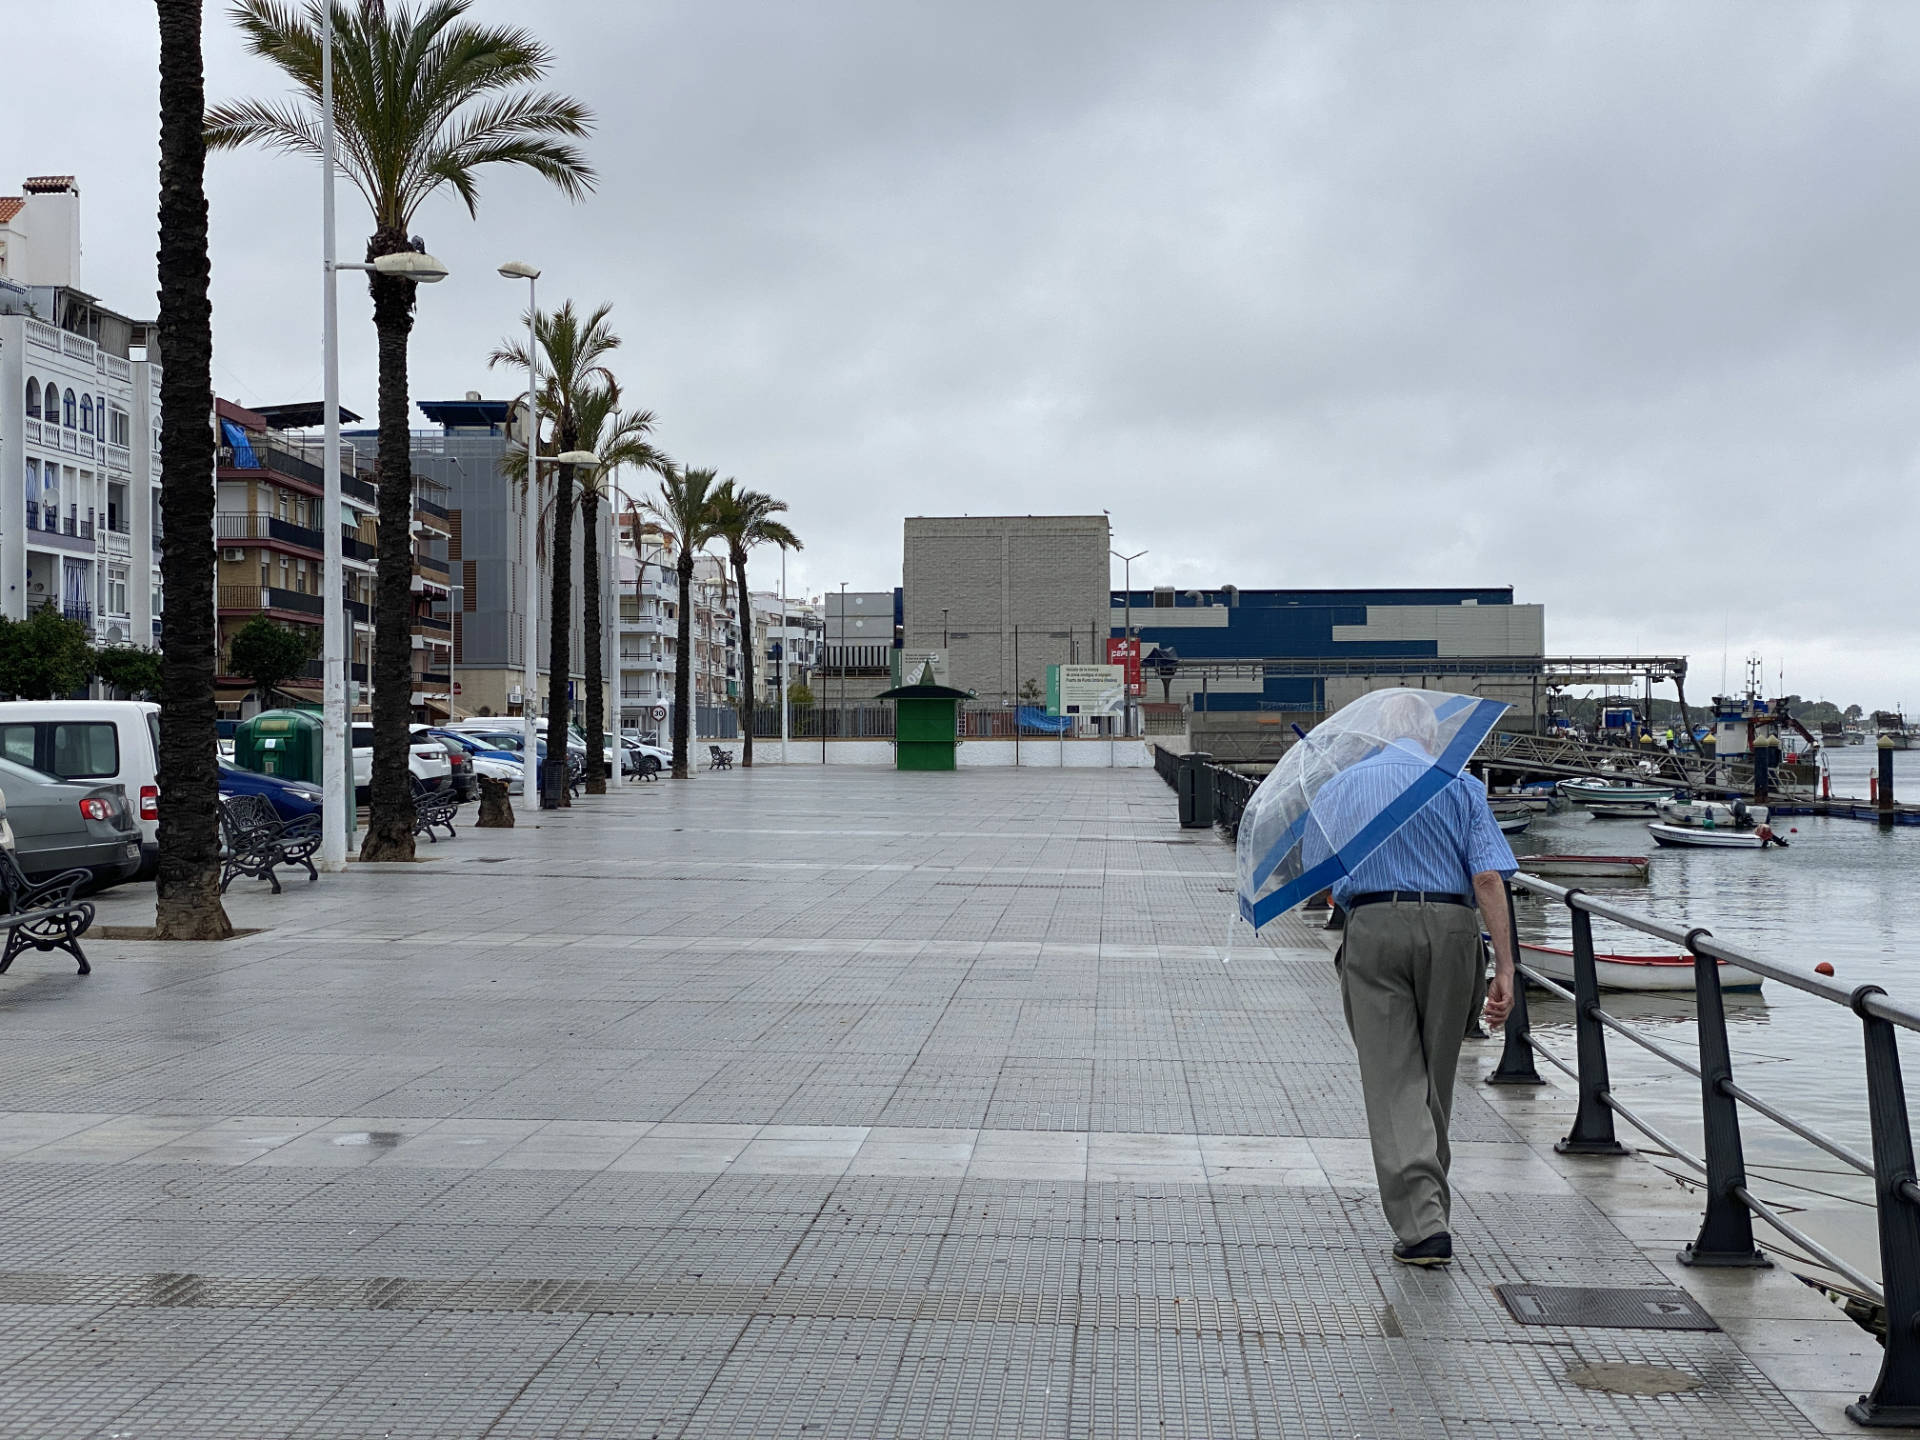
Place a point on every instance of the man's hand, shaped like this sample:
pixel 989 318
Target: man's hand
pixel 1499 997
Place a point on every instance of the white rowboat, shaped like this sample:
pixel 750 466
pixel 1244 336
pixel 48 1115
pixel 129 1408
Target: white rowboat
pixel 1583 792
pixel 1622 809
pixel 1701 837
pixel 1635 972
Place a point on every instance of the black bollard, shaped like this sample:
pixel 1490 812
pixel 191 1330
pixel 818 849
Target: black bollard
pixel 1886 775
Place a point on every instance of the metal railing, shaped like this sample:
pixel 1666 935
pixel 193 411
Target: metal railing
pixel 1726 1226
pixel 251 526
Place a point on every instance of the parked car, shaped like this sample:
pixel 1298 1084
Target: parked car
pixel 97 741
pixel 486 760
pixel 61 825
pixel 459 762
pixel 289 798
pixel 502 737
pixel 426 759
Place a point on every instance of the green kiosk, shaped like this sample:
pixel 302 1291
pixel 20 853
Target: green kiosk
pixel 926 722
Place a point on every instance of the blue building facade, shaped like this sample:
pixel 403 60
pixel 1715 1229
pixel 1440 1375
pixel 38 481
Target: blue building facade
pixel 1311 651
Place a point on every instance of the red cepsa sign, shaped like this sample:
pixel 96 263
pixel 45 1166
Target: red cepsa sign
pixel 1126 653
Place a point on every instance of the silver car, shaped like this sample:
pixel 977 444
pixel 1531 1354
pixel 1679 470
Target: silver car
pixel 61 825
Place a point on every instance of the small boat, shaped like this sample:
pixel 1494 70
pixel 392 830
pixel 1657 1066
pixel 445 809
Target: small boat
pixel 1585 792
pixel 1635 972
pixel 1587 867
pixel 1709 837
pixel 1713 814
pixel 1540 797
pixel 1622 809
pixel 1513 824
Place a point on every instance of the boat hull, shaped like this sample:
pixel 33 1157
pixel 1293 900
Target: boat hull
pixel 1696 837
pixel 1622 809
pixel 1587 867
pixel 1635 972
pixel 1585 793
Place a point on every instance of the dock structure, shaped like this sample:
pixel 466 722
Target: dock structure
pixel 793 1102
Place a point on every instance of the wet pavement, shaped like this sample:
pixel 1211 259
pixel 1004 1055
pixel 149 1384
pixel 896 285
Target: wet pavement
pixel 809 1103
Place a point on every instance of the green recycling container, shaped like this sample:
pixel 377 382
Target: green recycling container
pixel 286 743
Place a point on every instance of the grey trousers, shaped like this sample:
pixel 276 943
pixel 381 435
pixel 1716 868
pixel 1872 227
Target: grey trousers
pixel 1407 978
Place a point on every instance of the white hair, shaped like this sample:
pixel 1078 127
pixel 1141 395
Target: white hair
pixel 1406 715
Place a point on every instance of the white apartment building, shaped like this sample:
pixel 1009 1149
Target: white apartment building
pixel 793 626
pixel 79 432
pixel 649 612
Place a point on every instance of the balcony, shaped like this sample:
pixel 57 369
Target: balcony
pixel 358 612
pixel 252 527
pixel 432 677
pixel 270 597
pixel 361 490
pixel 317 671
pixel 77 610
pixel 355 549
pixel 432 626
pixel 432 568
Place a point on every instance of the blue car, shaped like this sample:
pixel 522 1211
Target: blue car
pixel 290 798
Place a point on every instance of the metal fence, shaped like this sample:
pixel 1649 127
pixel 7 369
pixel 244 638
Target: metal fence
pixel 1726 1226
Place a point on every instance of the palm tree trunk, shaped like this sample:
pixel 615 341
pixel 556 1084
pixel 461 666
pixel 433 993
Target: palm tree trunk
pixel 555 790
pixel 592 640
pixel 390 793
pixel 683 663
pixel 745 705
pixel 188 890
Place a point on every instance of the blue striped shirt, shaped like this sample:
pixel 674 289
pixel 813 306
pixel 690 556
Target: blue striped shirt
pixel 1448 840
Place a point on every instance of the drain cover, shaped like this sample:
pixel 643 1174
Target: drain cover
pixel 1602 1308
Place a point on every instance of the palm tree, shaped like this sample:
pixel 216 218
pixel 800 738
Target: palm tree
pixel 618 438
pixel 423 98
pixel 188 889
pixel 685 507
pixel 744 519
pixel 573 348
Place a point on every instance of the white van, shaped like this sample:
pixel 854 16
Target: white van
pixel 104 740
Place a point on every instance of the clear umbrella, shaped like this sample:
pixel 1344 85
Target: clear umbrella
pixel 1273 877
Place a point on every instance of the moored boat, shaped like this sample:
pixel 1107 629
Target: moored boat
pixel 1622 809
pixel 1586 792
pixel 1706 837
pixel 1634 972
pixel 1513 824
pixel 1587 867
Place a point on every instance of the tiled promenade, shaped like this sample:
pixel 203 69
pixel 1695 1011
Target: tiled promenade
pixel 796 1103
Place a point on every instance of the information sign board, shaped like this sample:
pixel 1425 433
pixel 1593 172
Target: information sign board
pixel 1086 690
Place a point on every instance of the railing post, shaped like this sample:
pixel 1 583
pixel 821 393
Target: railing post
pixel 1895 1398
pixel 1516 1057
pixel 1726 1229
pixel 1592 1132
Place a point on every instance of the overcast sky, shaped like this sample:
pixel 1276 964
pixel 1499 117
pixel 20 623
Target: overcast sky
pixel 1615 304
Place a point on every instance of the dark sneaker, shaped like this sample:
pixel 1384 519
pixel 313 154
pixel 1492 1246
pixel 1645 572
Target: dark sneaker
pixel 1436 1249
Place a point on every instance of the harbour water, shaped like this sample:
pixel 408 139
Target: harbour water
pixel 1845 891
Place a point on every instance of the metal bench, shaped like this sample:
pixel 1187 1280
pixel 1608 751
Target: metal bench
pixel 43 915
pixel 258 839
pixel 432 809
pixel 719 758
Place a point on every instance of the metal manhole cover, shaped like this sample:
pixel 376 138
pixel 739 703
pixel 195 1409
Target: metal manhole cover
pixel 1636 1308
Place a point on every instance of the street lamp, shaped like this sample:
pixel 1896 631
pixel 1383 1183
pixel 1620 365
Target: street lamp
pixel 1127 627
pixel 530 630
pixel 337 807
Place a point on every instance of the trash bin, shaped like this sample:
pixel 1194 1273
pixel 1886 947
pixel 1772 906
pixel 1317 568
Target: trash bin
pixel 1193 783
pixel 286 743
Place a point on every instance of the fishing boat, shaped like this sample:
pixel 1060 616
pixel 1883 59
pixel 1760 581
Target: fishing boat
pixel 1733 815
pixel 1587 867
pixel 1513 824
pixel 1622 809
pixel 1540 797
pixel 1711 837
pixel 1615 791
pixel 1634 972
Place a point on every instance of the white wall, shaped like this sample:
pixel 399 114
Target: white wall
pixel 1035 753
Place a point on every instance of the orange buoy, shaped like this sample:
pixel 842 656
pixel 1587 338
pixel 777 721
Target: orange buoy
pixel 1823 968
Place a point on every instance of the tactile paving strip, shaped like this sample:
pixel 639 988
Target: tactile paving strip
pixel 1599 1307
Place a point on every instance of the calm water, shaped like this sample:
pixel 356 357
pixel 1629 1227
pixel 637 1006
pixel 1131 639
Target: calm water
pixel 1846 892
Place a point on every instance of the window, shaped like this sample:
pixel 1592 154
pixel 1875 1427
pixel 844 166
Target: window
pixel 67 408
pixel 33 398
pixel 70 750
pixel 119 428
pixel 86 414
pixel 116 590
pixel 33 482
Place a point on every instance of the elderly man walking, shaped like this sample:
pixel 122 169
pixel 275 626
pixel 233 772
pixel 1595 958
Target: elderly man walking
pixel 1411 961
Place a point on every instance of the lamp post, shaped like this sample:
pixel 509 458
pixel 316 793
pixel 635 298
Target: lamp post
pixel 843 654
pixel 336 774
pixel 530 511
pixel 1127 628
pixel 783 655
pixel 458 594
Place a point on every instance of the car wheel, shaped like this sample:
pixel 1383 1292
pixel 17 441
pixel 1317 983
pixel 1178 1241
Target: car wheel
pixel 649 764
